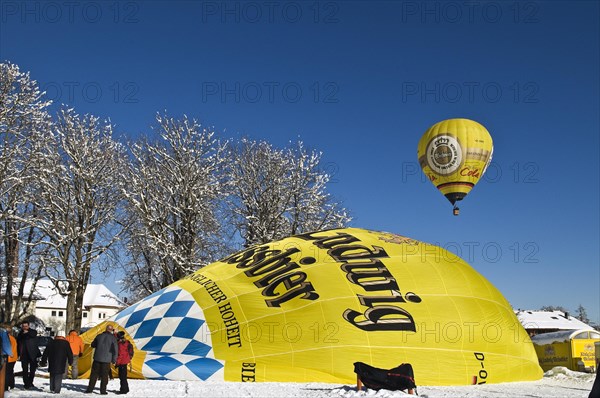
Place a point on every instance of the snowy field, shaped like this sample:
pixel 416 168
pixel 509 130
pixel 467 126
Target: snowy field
pixel 559 382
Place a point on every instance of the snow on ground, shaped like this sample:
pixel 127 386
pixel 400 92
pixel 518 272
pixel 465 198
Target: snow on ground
pixel 559 382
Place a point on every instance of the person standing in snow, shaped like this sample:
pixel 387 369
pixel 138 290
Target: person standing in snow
pixel 76 343
pixel 9 380
pixel 5 352
pixel 595 392
pixel 57 354
pixel 110 373
pixel 123 359
pixel 105 353
pixel 29 352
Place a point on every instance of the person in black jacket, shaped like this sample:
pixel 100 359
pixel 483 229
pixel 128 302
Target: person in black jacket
pixel 595 392
pixel 57 354
pixel 29 352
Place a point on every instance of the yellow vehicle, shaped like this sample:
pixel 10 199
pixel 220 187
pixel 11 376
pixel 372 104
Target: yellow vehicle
pixel 573 349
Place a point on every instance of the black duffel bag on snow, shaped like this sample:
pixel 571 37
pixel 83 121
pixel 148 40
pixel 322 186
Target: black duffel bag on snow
pixel 399 378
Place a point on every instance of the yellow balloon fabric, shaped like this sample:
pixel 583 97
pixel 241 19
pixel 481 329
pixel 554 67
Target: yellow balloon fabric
pixel 305 308
pixel 454 155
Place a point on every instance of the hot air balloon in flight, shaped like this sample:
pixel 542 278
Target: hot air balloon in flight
pixel 305 308
pixel 454 155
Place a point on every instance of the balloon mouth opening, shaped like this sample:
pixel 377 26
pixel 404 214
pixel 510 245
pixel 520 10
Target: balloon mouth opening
pixel 455 197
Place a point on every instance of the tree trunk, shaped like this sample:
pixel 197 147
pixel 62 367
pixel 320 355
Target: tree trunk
pixel 11 262
pixel 71 322
pixel 78 310
pixel 75 299
pixel 21 303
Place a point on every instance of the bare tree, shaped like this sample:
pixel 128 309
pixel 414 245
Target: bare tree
pixel 279 192
pixel 24 127
pixel 77 200
pixel 311 207
pixel 173 189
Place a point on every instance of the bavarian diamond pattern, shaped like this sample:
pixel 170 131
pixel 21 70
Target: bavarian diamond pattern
pixel 182 367
pixel 163 364
pixel 137 317
pixel 156 343
pixel 147 328
pixel 169 326
pixel 196 348
pixel 188 327
pixel 179 309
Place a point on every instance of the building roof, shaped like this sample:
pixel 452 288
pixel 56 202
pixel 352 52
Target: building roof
pixel 556 337
pixel 549 320
pixel 96 295
pixel 26 290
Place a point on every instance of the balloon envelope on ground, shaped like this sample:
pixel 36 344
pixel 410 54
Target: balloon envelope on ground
pixel 307 307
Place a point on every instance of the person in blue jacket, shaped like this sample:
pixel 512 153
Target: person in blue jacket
pixel 5 352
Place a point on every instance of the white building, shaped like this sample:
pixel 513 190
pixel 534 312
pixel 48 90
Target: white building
pixel 99 304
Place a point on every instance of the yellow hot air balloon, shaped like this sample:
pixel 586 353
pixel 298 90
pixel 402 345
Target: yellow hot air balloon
pixel 305 308
pixel 454 155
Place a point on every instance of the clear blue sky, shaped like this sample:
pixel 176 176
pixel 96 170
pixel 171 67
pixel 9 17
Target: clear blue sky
pixel 362 81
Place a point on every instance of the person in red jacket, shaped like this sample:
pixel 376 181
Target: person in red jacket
pixel 124 356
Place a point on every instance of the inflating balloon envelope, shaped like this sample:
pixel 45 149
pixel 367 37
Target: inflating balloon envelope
pixel 307 307
pixel 454 154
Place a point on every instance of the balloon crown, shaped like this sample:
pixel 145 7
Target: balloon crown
pixel 441 141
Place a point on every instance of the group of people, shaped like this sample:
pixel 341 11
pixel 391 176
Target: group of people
pixel 24 348
pixel 60 354
pixel 109 350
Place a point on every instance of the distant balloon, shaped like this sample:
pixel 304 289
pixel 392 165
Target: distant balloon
pixel 454 155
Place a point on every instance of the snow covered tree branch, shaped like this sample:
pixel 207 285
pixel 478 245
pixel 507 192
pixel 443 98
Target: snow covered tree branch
pixel 78 194
pixel 69 195
pixel 24 127
pixel 278 192
pixel 173 193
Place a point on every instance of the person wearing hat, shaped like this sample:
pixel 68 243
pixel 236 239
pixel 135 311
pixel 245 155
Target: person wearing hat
pixel 123 359
pixel 105 353
pixel 57 354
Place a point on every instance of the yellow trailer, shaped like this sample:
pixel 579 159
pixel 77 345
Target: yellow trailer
pixel 573 349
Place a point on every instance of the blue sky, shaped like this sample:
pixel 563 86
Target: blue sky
pixel 362 81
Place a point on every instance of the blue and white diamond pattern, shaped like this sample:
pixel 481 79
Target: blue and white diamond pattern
pixel 169 325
